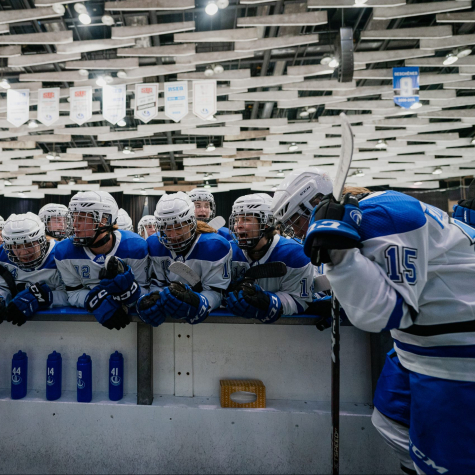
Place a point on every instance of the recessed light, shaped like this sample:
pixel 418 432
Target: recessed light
pixel 382 145
pixel 108 20
pixel 416 105
pixel 417 183
pixel 293 147
pixel 210 147
pixel 450 59
pixel 32 124
pixel 85 19
pixel 437 171
pixel 122 123
pixel 211 8
pixel 5 84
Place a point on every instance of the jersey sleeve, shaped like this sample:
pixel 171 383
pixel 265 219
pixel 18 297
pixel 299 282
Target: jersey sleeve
pixel 140 268
pixel 74 288
pixel 60 296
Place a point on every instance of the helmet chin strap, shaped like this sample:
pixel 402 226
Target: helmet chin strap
pixel 270 238
pixel 103 240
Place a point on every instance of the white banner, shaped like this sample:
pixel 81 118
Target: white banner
pixel 48 105
pixel 204 98
pixel 18 106
pixel 176 100
pixel 146 101
pixel 81 104
pixel 113 103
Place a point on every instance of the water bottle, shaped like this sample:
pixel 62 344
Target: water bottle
pixel 84 374
pixel 116 376
pixel 54 367
pixel 19 375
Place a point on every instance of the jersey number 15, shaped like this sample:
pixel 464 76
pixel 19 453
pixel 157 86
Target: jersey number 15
pixel 401 265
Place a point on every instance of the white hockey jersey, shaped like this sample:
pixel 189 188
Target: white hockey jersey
pixel 209 256
pixel 295 289
pixel 80 267
pixel 45 273
pixel 415 276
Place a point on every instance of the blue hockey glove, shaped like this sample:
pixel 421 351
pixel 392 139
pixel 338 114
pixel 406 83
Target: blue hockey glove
pixel 333 225
pixel 181 302
pixel 27 302
pixel 250 301
pixel 465 211
pixel 151 310
pixel 120 281
pixel 108 312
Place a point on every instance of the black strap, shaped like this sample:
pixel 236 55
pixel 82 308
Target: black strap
pixel 8 278
pixel 443 328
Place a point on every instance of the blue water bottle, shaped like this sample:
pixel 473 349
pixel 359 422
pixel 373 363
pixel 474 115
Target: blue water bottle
pixel 116 376
pixel 19 375
pixel 84 374
pixel 54 367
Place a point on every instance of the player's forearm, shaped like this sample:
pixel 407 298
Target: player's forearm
pixel 60 298
pixel 289 305
pixel 77 298
pixel 362 290
pixel 214 298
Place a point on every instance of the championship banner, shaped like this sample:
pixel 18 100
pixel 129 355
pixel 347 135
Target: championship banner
pixel 18 106
pixel 204 98
pixel 113 103
pixel 146 101
pixel 48 105
pixel 81 104
pixel 176 100
pixel 406 86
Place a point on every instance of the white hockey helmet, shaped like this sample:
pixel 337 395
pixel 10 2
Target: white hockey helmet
pixel 124 221
pixel 98 205
pixel 55 219
pixel 145 223
pixel 257 205
pixel 175 215
pixel 293 198
pixel 24 240
pixel 200 194
pixel 2 223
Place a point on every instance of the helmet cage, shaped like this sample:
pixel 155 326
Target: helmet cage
pixel 34 240
pixel 144 222
pixel 162 225
pixel 56 233
pixel 264 221
pixel 199 195
pixel 96 225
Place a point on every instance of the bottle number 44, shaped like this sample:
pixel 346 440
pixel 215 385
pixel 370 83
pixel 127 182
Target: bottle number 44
pixel 401 264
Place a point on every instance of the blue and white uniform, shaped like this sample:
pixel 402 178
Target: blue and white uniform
pixel 226 233
pixel 80 267
pixel 414 276
pixel 209 256
pixel 295 288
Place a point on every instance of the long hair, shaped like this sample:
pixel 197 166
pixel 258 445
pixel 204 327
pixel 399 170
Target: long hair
pixel 355 190
pixel 204 228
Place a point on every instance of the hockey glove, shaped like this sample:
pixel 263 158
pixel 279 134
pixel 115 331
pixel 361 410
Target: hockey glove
pixel 3 309
pixel 119 280
pixel 150 309
pixel 182 303
pixel 108 312
pixel 250 301
pixel 26 303
pixel 465 211
pixel 333 225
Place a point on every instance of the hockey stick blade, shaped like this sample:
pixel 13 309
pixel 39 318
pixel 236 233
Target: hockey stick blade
pixel 185 272
pixel 345 157
pixel 321 283
pixel 266 271
pixel 217 222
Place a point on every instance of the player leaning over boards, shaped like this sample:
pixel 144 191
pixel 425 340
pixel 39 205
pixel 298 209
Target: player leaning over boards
pixel 181 238
pixel 55 217
pixel 29 280
pixel 256 242
pixel 398 264
pixel 205 209
pixel 81 260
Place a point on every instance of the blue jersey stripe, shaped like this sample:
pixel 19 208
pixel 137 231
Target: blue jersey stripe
pixel 465 351
pixel 397 314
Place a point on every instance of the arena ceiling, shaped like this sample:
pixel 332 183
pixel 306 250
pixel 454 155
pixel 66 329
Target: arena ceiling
pixel 278 105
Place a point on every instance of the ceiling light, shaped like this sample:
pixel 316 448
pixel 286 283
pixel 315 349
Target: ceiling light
pixel 334 63
pixel 359 172
pixel 83 72
pixel 127 150
pixel 108 79
pixel 210 147
pixel 137 178
pixel 209 71
pixel 211 118
pixel 416 105
pixel 280 173
pixel 7 182
pixel 121 74
pixel 207 185
pixel 58 8
pixel 464 51
pixel 21 194
pixel 293 147
pixel 211 8
pixel 311 110
pixel 472 142
pixel 85 19
pixel 222 4
pixel 108 20
pixel 326 60
pixel 50 156
pixel 100 81
pixel 57 157
pixel 217 69
pixel 71 182
pixel 360 2
pixel 5 84
pixel 32 124
pixel 417 183
pixel 304 113
pixel 122 123
pixel 142 190
pixel 437 171
pixel 381 145
pixel 450 59
pixel 274 188
pixel 80 8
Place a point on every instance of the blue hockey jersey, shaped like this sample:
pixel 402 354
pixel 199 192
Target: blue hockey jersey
pixel 226 233
pixel 80 267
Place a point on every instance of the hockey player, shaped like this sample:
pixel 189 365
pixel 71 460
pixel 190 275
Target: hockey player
pixel 147 226
pixel 94 237
pixel 401 265
pixel 256 242
pixel 54 217
pixel 205 209
pixel 181 238
pixel 465 211
pixel 124 221
pixel 29 280
pixel 2 224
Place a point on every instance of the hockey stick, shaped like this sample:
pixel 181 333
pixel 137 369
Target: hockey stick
pixel 471 190
pixel 341 174
pixel 217 222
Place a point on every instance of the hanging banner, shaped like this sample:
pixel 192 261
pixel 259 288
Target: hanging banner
pixel 176 100
pixel 406 86
pixel 204 98
pixel 81 104
pixel 18 106
pixel 113 103
pixel 48 105
pixel 146 101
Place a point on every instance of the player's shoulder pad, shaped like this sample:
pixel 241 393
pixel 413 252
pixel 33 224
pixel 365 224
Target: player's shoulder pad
pixel 156 248
pixel 238 255
pixel 131 246
pixel 226 233
pixel 49 262
pixel 210 247
pixel 389 213
pixel 66 250
pixel 290 253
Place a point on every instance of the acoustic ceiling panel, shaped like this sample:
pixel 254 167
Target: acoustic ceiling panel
pixel 149 5
pixel 418 9
pixel 158 51
pixel 127 32
pixel 290 19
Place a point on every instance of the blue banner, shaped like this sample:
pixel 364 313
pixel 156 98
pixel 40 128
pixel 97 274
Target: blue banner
pixel 406 86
